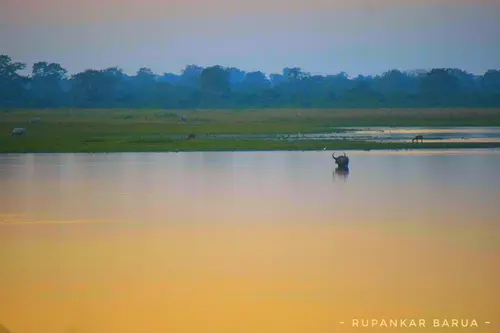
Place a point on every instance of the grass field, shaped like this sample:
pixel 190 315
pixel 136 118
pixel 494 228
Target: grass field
pixel 66 130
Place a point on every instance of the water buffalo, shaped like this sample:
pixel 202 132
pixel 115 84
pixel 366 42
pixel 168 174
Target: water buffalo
pixel 341 161
pixel 417 138
pixel 191 136
pixel 19 131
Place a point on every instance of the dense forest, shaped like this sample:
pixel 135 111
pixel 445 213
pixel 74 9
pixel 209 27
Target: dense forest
pixel 50 86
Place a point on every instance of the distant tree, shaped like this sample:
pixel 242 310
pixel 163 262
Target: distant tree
pixel 113 84
pixel 215 80
pixel 236 76
pixel 12 84
pixel 393 81
pixel 145 76
pixel 96 87
pixel 467 82
pixel 490 81
pixel 85 87
pixel 363 78
pixel 191 76
pixel 362 94
pixel 339 83
pixel 256 82
pixel 316 91
pixel 46 84
pixel 170 78
pixel 220 87
pixel 291 90
pixel 439 82
pixel 144 84
pixel 294 74
pixel 440 87
pixel 277 79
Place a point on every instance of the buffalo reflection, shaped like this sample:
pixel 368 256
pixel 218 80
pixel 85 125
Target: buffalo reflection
pixel 341 173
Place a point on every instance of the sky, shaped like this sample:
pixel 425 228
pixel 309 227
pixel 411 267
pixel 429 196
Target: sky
pixel 321 36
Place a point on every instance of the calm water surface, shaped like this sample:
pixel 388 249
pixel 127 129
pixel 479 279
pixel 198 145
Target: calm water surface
pixel 247 242
pixel 406 134
pixel 390 134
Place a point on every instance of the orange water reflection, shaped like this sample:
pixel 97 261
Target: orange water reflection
pixel 246 242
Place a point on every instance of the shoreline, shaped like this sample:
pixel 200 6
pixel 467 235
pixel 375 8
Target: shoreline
pixel 261 147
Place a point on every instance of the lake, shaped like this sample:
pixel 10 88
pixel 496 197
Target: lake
pixel 248 241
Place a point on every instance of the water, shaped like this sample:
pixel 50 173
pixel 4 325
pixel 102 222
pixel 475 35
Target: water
pixel 444 134
pixel 247 242
pixel 387 134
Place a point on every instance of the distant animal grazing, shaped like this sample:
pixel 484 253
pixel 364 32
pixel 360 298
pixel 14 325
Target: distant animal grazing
pixel 191 136
pixel 418 137
pixel 341 161
pixel 35 120
pixel 183 118
pixel 19 131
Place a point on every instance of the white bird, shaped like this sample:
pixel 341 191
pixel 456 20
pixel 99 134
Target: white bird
pixel 324 148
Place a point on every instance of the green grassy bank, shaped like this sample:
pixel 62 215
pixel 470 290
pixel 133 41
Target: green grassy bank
pixel 66 130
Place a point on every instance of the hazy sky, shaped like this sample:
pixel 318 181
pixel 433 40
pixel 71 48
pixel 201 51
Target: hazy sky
pixel 321 36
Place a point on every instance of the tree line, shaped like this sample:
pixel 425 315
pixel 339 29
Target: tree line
pixel 50 86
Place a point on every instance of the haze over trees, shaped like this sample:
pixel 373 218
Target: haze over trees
pixel 50 86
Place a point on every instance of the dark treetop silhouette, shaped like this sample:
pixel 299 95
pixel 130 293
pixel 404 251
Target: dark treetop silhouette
pixel 49 85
